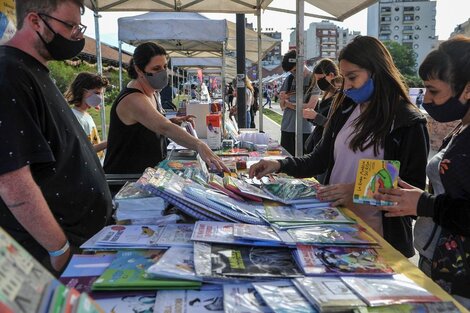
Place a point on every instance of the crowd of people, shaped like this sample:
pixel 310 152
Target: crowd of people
pixel 54 195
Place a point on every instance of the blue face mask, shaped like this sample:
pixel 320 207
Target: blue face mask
pixel 362 94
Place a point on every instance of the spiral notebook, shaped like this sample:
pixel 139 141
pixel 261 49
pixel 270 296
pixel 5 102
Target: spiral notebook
pixel 202 196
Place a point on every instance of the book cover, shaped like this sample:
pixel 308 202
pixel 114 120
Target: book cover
pixel 85 304
pixel 431 307
pixel 216 260
pixel 208 299
pixel 288 190
pixel 127 271
pixel 283 297
pixel 177 262
pixel 351 235
pixel 234 184
pixel 70 300
pixel 328 294
pixel 81 265
pixel 259 233
pixel 128 302
pixel 217 182
pixel 306 215
pixel 22 279
pixel 335 260
pixel 372 175
pixel 396 289
pixel 58 299
pixel 243 298
pixel 128 235
pixel 173 235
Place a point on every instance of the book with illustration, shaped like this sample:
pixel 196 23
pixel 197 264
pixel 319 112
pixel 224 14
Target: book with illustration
pixel 372 175
pixel 243 298
pixel 336 260
pixel 283 297
pixel 177 262
pixel 128 272
pixel 222 261
pixel 208 299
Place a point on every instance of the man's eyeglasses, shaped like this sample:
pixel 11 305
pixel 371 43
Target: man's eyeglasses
pixel 77 29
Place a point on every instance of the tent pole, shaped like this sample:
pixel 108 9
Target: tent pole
pixel 120 65
pixel 299 101
pixel 241 71
pixel 260 69
pixel 99 65
pixel 223 76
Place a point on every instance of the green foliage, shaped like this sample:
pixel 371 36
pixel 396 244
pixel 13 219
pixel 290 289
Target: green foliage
pixel 274 116
pixel 403 57
pixel 413 81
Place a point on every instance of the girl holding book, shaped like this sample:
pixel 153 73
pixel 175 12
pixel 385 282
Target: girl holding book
pixel 372 118
pixel 443 225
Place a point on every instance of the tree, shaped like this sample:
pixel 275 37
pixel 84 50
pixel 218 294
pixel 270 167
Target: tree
pixel 403 57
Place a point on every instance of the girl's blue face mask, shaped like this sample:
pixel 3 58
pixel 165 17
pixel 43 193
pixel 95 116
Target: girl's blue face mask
pixel 361 94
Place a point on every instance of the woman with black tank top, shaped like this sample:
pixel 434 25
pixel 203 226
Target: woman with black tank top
pixel 138 129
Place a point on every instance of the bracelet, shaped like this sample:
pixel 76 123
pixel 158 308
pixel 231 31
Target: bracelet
pixel 61 250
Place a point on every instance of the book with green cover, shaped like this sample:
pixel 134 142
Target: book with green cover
pixel 372 175
pixel 128 272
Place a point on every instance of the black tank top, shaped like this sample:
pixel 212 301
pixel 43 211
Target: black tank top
pixel 131 148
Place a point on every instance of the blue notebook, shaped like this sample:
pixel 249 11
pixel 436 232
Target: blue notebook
pixel 203 196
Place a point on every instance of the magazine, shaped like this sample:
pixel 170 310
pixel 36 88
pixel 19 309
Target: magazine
pixel 283 297
pixel 290 190
pixel 431 307
pixel 306 215
pixel 328 294
pixel 243 298
pixel 396 289
pixel 336 260
pixel 177 262
pixel 372 175
pixel 208 299
pixel 258 233
pixel 128 302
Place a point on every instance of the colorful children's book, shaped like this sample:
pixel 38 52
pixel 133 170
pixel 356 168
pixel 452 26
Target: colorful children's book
pixel 177 262
pixel 335 260
pixel 128 302
pixel 85 304
pixel 216 260
pixel 243 298
pixel 396 289
pixel 243 189
pixel 372 175
pixel 283 297
pixel 328 294
pixel 329 234
pixel 128 272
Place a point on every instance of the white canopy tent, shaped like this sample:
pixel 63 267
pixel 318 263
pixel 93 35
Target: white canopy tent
pixel 334 9
pixel 207 64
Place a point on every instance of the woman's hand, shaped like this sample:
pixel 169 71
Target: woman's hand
pixel 405 199
pixel 338 194
pixel 211 158
pixel 309 113
pixel 263 168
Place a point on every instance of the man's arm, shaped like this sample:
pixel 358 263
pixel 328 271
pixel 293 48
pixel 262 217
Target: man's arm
pixel 26 202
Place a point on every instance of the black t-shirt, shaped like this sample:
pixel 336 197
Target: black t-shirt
pixel 131 148
pixel 37 128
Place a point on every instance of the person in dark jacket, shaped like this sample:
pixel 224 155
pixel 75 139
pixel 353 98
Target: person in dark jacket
pixel 372 119
pixel 444 217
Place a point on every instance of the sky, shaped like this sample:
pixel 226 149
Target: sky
pixel 449 13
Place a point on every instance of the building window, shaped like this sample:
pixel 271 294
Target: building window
pixel 407 27
pixel 417 18
pixel 385 9
pixel 396 18
pixel 397 9
pixel 417 8
pixel 416 46
pixel 408 18
pixel 416 36
pixel 396 37
pixel 397 27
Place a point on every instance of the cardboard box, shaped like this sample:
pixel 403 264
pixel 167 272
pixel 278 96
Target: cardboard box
pixel 214 130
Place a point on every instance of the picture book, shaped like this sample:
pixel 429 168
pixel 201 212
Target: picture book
pixel 173 235
pixel 85 304
pixel 283 297
pixel 248 193
pixel 128 272
pixel 130 191
pixel 22 279
pixel 372 175
pixel 328 294
pixel 208 299
pixel 288 190
pixel 122 236
pixel 260 233
pixel 216 260
pixel 317 215
pixel 336 260
pixel 177 262
pixel 431 307
pixel 128 302
pixel 217 182
pixel 396 289
pixel 243 298
pixel 329 234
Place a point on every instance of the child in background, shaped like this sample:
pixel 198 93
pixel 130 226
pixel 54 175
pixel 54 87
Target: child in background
pixel 87 91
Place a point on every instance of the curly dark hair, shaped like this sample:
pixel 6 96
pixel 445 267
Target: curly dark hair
pixel 84 81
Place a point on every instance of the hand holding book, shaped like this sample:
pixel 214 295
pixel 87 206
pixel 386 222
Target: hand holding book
pixel 405 199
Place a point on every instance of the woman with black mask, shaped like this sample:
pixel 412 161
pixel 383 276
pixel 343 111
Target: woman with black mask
pixel 324 72
pixel 443 227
